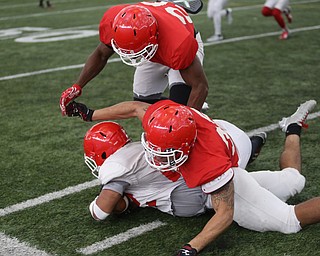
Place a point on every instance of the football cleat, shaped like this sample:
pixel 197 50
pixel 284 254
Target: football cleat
pixel 287 13
pixel 204 107
pixel 299 117
pixel 215 38
pixel 229 16
pixel 284 35
pixel 187 250
pixel 257 142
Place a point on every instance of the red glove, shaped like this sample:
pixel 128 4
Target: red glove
pixel 68 95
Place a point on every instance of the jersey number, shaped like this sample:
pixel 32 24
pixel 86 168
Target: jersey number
pixel 177 11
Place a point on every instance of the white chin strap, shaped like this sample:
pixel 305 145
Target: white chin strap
pixel 135 59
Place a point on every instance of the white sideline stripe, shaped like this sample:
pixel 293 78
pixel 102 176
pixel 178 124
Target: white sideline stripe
pixel 50 70
pixel 12 246
pixel 48 197
pixel 230 40
pixel 78 188
pixel 241 38
pixel 107 6
pixel 120 238
pixel 273 127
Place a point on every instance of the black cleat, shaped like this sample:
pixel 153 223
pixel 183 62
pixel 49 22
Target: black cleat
pixel 257 141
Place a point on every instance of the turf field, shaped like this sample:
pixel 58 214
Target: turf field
pixel 255 79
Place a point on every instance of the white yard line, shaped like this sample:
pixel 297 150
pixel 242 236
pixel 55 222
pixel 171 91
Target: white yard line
pixel 108 6
pixel 230 40
pixel 120 238
pixel 12 246
pixel 48 197
pixel 242 38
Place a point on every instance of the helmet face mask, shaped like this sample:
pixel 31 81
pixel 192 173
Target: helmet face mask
pixel 168 160
pixel 92 166
pixel 135 35
pixel 100 142
pixel 135 59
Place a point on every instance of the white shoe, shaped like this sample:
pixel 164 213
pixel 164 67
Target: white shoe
pixel 229 16
pixel 299 117
pixel 205 107
pixel 215 38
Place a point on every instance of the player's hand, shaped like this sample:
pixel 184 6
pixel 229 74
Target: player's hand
pixel 187 250
pixel 68 95
pixel 80 110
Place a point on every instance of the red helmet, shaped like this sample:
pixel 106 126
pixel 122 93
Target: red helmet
pixel 170 133
pixel 101 141
pixel 135 35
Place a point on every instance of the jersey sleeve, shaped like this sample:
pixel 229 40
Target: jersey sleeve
pixel 117 186
pixel 113 171
pixel 185 54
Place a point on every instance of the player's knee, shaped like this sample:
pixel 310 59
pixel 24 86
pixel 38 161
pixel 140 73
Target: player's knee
pixel 295 182
pixel 180 92
pixel 276 12
pixel 266 11
pixel 292 224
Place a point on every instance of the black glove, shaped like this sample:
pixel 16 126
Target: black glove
pixel 187 250
pixel 80 110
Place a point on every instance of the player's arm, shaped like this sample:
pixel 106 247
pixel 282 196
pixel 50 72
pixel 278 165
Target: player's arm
pixel 94 64
pixel 106 203
pixel 223 204
pixel 123 110
pixel 195 77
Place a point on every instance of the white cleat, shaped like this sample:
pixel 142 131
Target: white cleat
pixel 299 117
pixel 215 38
pixel 205 107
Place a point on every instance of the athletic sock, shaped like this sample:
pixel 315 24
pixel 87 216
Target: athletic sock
pixel 293 129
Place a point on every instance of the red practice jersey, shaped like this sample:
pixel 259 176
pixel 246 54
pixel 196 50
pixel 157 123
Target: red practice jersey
pixel 213 153
pixel 177 46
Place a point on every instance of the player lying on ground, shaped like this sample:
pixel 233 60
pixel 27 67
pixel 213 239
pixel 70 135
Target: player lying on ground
pixel 125 175
pixel 233 192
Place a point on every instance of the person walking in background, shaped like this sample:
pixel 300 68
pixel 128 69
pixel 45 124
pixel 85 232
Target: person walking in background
pixel 276 8
pixel 215 12
pixel 41 4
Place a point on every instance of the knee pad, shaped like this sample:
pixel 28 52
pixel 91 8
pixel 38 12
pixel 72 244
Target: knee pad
pixel 266 11
pixel 180 92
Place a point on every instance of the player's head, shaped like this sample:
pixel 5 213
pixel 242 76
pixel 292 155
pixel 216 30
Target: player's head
pixel 135 35
pixel 101 141
pixel 170 133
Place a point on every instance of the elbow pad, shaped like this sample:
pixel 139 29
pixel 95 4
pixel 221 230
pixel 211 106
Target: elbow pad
pixel 96 212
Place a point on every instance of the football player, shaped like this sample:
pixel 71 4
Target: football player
pixel 276 8
pixel 160 40
pixel 181 140
pixel 128 180
pixel 215 11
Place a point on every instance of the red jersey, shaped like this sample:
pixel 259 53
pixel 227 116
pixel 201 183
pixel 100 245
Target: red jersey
pixel 213 153
pixel 177 46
